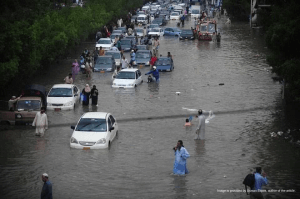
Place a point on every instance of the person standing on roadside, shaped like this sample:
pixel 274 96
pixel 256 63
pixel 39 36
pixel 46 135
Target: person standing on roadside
pixel 181 154
pixel 201 126
pixel 47 187
pixel 40 122
pixel 260 180
pixel 94 95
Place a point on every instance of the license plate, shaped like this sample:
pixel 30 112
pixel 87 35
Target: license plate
pixel 57 109
pixel 102 71
pixel 86 148
pixel 141 66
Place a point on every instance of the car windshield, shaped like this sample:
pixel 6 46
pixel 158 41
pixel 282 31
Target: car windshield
pixel 141 47
pixel 142 55
pixel 113 36
pixel 175 30
pixel 115 55
pixel 60 92
pixel 29 105
pixel 125 75
pixel 163 62
pixel 103 60
pixel 104 41
pixel 125 42
pixel 141 18
pixel 186 32
pixel 195 11
pixel 153 26
pixel 117 31
pixel 91 124
pixel 211 28
pixel 203 28
pixel 174 14
pixel 138 30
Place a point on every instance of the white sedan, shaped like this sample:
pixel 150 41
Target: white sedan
pixel 156 32
pixel 95 130
pixel 128 78
pixel 63 97
pixel 106 43
pixel 174 16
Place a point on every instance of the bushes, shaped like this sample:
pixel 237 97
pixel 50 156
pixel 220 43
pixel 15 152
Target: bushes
pixel 33 35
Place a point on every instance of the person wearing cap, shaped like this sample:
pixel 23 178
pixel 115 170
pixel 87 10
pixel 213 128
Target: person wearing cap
pixel 132 55
pixel 260 180
pixel 47 187
pixel 40 122
pixel 12 102
pixel 69 79
pixel 155 73
pixel 201 126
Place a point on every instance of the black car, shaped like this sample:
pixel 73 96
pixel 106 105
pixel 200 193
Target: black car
pixel 105 64
pixel 159 21
pixel 187 34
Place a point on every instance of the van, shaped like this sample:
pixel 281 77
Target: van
pixel 145 9
pixel 142 19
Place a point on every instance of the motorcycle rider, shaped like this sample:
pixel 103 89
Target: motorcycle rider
pixel 155 73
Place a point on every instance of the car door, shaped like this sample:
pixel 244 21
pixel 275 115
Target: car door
pixel 112 123
pixel 167 31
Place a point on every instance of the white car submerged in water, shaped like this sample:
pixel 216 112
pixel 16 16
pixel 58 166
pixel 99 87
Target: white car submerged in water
pixel 128 78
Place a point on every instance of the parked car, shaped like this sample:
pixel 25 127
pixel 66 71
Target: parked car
pixel 106 43
pixel 157 32
pixel 187 34
pixel 141 47
pixel 113 36
pixel 143 57
pixel 174 16
pixel 123 29
pixel 128 78
pixel 63 97
pixel 164 64
pixel 105 64
pixel 94 130
pixel 139 32
pixel 126 44
pixel 173 31
pixel 116 55
pixel 159 21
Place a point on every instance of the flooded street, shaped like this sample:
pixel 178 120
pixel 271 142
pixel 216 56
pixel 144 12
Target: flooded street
pixel 140 162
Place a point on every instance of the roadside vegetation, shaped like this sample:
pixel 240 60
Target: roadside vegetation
pixel 34 33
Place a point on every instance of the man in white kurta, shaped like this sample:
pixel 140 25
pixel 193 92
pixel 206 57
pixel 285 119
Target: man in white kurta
pixel 40 122
pixel 201 126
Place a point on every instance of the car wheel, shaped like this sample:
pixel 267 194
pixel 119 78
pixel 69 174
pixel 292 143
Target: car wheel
pixel 142 81
pixel 74 106
pixel 135 86
pixel 109 145
pixel 117 133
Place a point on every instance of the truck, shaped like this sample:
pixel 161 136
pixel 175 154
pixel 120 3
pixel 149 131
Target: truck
pixel 195 11
pixel 33 97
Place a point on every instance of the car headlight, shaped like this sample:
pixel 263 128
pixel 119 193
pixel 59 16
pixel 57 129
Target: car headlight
pixel 134 63
pixel 101 141
pixel 180 37
pixel 147 63
pixel 192 37
pixel 48 104
pixel 68 103
pixel 18 116
pixel 73 140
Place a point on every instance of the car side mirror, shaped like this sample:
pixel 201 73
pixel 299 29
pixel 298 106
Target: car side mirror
pixel 111 128
pixel 73 127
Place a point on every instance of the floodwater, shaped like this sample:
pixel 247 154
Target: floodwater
pixel 140 161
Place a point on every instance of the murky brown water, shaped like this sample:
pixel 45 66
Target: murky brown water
pixel 140 162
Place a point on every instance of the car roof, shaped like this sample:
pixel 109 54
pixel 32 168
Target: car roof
pixel 105 56
pixel 142 15
pixel 63 85
pixel 104 38
pixel 98 115
pixel 129 70
pixel 143 51
pixel 112 51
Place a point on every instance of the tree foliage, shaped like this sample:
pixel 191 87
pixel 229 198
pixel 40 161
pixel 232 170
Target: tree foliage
pixel 34 34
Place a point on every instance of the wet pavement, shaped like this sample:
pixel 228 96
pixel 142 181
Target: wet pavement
pixel 140 162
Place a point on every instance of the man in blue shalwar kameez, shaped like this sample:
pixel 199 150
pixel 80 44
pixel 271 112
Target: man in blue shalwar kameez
pixel 181 154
